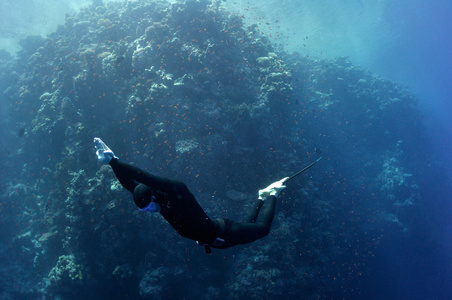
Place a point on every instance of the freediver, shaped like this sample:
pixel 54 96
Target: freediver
pixel 179 207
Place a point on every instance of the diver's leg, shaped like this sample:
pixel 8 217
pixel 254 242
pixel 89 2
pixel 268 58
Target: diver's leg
pixel 106 156
pixel 268 212
pixel 243 233
pixel 255 208
pixel 132 173
pixel 130 176
pixel 122 172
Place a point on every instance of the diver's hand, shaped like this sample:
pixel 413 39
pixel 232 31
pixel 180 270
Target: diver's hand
pixel 273 189
pixel 104 154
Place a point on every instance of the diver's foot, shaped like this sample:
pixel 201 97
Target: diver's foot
pixel 104 154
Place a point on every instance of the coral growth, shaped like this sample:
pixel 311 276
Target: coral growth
pixel 187 91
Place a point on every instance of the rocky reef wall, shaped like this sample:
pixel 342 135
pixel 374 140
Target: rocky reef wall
pixel 186 91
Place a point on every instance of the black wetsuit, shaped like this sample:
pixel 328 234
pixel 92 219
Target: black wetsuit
pixel 180 208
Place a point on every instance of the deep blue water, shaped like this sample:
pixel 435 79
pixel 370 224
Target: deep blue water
pixel 407 42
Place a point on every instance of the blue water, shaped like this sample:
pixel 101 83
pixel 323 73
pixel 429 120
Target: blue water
pixel 407 42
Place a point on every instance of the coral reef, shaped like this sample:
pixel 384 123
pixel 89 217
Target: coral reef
pixel 185 90
pixel 66 274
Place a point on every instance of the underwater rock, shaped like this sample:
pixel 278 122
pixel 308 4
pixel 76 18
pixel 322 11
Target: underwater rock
pixel 187 91
pixel 392 175
pixel 186 145
pixel 47 235
pixel 157 32
pixel 30 44
pixel 65 273
pixel 21 132
pixel 150 285
pixel 237 196
pixel 123 271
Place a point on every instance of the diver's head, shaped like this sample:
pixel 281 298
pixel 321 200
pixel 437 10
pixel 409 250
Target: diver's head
pixel 142 195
